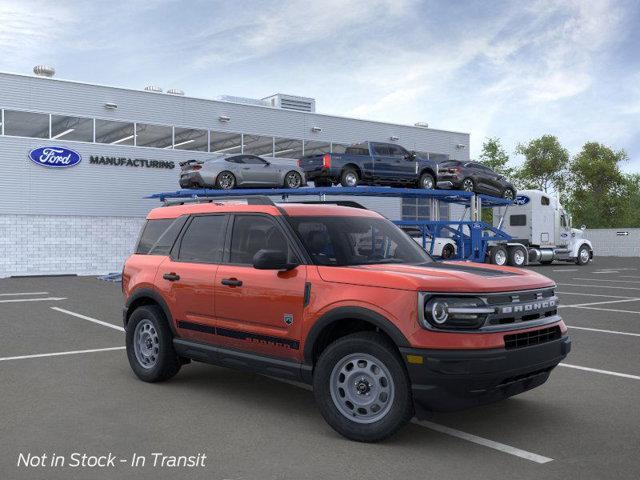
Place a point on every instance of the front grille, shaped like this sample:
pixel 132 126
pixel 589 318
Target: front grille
pixel 519 307
pixel 534 337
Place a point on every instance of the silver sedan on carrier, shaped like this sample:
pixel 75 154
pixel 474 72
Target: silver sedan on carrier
pixel 240 170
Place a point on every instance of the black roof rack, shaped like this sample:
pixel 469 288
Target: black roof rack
pixel 249 199
pixel 341 203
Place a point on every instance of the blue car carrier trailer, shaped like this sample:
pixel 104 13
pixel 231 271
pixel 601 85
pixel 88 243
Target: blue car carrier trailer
pixel 475 240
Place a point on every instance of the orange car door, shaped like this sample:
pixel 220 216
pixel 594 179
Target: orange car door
pixel 259 310
pixel 187 278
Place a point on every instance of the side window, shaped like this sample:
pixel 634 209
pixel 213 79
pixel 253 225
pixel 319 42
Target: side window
pixel 544 200
pixel 238 159
pixel 381 149
pixel 563 221
pixel 252 233
pixel 397 151
pixel 253 160
pixel 168 238
pixel 203 241
pixel 151 232
pixel 517 220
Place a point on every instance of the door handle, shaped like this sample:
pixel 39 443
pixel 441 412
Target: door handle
pixel 172 277
pixel 231 282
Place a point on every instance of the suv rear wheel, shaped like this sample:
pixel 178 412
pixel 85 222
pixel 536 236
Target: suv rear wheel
pixel 150 345
pixel 362 387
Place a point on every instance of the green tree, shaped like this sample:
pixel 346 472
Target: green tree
pixel 545 164
pixel 495 157
pixel 599 191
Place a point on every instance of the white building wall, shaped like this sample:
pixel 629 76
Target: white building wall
pixel 53 244
pixel 613 241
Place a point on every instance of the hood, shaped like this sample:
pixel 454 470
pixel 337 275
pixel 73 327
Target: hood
pixel 460 277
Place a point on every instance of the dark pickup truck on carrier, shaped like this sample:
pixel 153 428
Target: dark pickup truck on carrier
pixel 371 163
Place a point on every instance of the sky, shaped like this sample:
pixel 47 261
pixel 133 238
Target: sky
pixel 514 70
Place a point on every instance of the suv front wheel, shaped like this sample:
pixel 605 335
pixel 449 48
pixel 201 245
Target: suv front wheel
pixel 362 388
pixel 150 345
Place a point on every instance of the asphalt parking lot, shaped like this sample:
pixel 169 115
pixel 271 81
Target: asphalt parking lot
pixel 67 387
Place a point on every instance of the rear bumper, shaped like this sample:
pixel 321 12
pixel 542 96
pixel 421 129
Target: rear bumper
pixel 192 179
pixel 450 380
pixel 449 183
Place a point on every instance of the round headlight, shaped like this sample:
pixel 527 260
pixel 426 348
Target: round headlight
pixel 439 312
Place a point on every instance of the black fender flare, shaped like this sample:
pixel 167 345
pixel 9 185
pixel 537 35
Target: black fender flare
pixel 156 297
pixel 355 313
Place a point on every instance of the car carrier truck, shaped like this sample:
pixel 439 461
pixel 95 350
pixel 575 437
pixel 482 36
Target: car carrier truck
pixel 540 231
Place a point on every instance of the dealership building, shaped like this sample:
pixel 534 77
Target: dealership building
pixel 84 218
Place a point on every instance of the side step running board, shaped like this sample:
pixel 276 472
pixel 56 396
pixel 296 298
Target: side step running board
pixel 250 362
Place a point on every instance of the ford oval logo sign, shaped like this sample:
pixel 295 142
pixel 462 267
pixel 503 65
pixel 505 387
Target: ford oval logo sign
pixel 55 157
pixel 521 200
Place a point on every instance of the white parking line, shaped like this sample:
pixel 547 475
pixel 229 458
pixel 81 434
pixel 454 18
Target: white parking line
pixel 534 457
pixel 597 370
pixel 592 303
pixel 610 310
pixel 599 330
pixel 89 319
pixel 23 293
pixel 605 272
pixel 596 286
pixel 565 270
pixel 606 280
pixel 485 442
pixel 57 354
pixel 43 299
pixel 591 294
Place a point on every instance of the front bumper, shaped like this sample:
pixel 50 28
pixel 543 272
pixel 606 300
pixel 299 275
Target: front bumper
pixel 450 380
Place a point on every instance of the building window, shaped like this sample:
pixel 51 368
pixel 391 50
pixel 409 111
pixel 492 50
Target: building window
pixel 190 139
pixel 157 136
pixel 26 124
pixel 287 148
pixel 258 145
pixel 224 142
pixel 419 209
pixel 72 128
pixel 114 133
pixel 316 148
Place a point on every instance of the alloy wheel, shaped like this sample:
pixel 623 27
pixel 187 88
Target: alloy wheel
pixel 467 185
pixel 293 180
pixel 226 181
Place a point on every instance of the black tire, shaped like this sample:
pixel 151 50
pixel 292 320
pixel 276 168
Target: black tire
pixel 468 185
pixel 427 182
pixel 288 184
pixel 448 251
pixel 509 194
pixel 400 409
pixel 347 176
pixel 516 260
pixel 322 182
pixel 221 180
pixel 498 255
pixel 580 259
pixel 167 362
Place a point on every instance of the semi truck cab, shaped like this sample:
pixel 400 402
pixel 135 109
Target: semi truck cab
pixel 538 222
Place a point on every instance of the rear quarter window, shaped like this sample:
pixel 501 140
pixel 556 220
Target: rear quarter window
pixel 158 236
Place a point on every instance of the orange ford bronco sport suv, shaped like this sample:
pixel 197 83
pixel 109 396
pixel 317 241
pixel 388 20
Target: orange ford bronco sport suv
pixel 339 298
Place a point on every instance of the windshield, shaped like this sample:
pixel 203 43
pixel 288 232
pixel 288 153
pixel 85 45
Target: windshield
pixel 344 241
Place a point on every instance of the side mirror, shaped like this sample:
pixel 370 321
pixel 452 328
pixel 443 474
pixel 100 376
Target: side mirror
pixel 410 156
pixel 272 260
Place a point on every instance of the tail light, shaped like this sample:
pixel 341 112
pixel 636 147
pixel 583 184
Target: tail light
pixel 326 160
pixel 299 162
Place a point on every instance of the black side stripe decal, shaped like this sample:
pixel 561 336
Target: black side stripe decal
pixel 240 335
